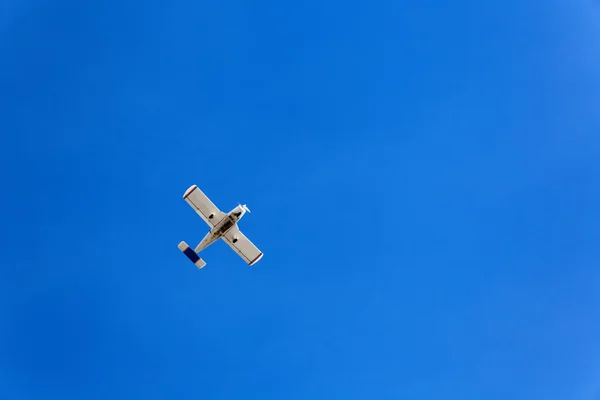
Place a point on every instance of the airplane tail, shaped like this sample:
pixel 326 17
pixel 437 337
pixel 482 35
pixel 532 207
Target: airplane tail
pixel 191 254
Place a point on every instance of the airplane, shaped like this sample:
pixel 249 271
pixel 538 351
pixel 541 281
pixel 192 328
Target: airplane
pixel 222 226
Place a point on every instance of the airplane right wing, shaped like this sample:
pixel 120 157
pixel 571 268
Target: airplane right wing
pixel 242 246
pixel 203 206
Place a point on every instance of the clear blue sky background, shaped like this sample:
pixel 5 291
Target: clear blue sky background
pixel 423 178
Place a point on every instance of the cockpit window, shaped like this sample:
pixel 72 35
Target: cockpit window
pixel 228 224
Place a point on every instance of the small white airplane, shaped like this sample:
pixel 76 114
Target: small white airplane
pixel 222 226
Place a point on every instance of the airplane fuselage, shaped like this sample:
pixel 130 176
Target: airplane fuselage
pixel 228 222
pixel 222 227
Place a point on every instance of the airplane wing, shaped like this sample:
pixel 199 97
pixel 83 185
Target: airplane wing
pixel 203 206
pixel 242 246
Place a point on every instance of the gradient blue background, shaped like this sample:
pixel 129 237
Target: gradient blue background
pixel 423 178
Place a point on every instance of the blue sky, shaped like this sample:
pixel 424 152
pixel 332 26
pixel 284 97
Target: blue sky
pixel 422 175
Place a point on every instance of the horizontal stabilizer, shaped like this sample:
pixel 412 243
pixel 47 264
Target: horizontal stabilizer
pixel 191 254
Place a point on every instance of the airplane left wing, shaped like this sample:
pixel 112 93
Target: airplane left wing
pixel 242 246
pixel 203 206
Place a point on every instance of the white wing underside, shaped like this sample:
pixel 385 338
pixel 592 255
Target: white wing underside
pixel 203 206
pixel 243 246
